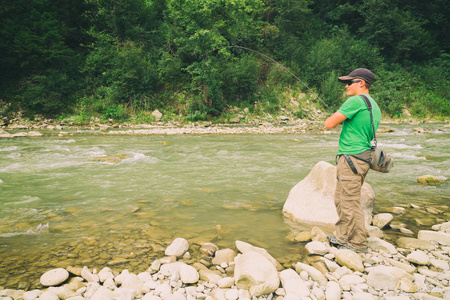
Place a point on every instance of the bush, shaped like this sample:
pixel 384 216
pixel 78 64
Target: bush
pixel 48 94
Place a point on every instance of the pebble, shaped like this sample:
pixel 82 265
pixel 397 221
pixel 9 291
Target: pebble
pixel 54 277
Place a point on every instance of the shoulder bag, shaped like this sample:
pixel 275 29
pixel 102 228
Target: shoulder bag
pixel 379 161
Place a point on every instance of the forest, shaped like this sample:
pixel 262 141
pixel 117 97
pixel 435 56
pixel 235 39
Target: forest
pixel 198 59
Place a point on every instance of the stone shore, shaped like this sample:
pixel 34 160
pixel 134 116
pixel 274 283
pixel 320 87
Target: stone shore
pixel 299 126
pixel 415 268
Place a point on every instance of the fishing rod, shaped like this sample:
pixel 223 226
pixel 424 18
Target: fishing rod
pixel 279 64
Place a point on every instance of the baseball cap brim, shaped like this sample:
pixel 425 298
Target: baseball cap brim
pixel 346 78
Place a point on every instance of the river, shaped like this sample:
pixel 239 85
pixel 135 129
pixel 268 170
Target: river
pixel 60 208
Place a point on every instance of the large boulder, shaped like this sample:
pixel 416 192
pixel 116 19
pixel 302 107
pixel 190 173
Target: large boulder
pixel 255 273
pixel 311 201
pixel 244 247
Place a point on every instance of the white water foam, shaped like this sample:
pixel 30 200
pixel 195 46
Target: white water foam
pixel 57 148
pixel 401 146
pixel 39 229
pixel 11 167
pixel 407 156
pixel 14 155
pixel 135 158
pixel 66 141
pixel 12 148
pixel 26 199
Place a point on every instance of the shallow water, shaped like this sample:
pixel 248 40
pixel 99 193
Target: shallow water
pixel 59 208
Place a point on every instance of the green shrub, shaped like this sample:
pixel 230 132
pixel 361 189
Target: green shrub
pixel 116 113
pixel 196 116
pixel 48 94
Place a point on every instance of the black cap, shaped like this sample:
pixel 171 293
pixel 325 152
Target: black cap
pixel 360 73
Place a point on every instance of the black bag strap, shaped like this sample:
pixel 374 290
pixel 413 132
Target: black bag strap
pixel 369 106
pixel 350 163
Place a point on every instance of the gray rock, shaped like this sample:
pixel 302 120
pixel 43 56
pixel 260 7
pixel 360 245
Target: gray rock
pixel 318 235
pixel 445 227
pixel 429 180
pixel 62 292
pixel 363 296
pixel 208 248
pixel 246 247
pixel 333 291
pixel 316 248
pixel 226 282
pixel 381 277
pixel 103 293
pixel 377 244
pixel 224 256
pixel 133 282
pixel 381 220
pixel 188 274
pixel 374 231
pixel 88 276
pixel 349 259
pixel 293 284
pixel 255 273
pixel 434 236
pixel 48 296
pixel 157 114
pixel 311 201
pixel 169 269
pixel 440 264
pixel 31 295
pixel 413 243
pixel 177 248
pixel 407 267
pixel 315 274
pixel 418 257
pixel 54 277
pixel 211 276
pixel 104 274
pixel 347 281
pixel 232 294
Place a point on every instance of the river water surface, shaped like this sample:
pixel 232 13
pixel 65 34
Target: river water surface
pixel 59 208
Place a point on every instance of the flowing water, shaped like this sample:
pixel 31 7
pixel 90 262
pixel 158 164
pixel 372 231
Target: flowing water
pixel 60 208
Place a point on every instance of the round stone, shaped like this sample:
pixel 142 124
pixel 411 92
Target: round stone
pixel 54 277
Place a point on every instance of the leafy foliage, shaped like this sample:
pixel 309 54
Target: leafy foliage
pixel 121 59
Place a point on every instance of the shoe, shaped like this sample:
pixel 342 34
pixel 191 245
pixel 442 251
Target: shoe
pixel 348 247
pixel 333 240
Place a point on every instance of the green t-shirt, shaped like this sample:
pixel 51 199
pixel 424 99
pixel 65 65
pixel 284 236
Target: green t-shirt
pixel 357 132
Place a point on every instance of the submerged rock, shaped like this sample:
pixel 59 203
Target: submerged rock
pixel 429 180
pixel 112 159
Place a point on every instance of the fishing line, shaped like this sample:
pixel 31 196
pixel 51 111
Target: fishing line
pixel 279 64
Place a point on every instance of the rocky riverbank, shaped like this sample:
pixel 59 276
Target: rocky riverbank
pixel 414 268
pixel 284 127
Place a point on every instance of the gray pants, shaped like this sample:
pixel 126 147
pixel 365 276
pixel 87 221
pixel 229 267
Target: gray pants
pixel 350 228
